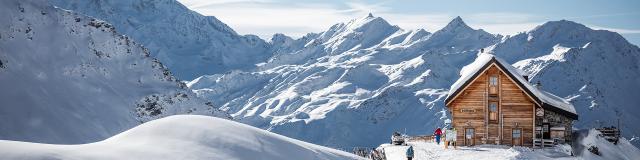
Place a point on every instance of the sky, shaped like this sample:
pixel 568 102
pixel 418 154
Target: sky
pixel 296 18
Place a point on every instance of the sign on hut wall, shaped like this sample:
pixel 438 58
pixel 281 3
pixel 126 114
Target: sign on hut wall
pixel 467 110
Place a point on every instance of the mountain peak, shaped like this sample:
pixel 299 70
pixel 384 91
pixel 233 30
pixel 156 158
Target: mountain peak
pixel 456 23
pixel 368 22
pixel 370 15
pixel 562 24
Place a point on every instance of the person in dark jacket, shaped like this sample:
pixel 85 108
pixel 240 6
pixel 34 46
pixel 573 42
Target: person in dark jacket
pixel 437 134
pixel 410 153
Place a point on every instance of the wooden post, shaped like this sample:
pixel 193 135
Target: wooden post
pixel 501 119
pixel 533 142
pixel 486 110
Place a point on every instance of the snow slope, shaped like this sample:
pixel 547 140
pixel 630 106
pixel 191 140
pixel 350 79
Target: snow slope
pixel 68 78
pixel 182 137
pixel 188 43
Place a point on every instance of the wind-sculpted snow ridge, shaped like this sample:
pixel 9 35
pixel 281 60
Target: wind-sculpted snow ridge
pixel 182 137
pixel 188 43
pixel 68 78
pixel 351 85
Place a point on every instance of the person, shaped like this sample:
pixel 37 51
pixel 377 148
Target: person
pixel 410 153
pixel 450 138
pixel 437 133
pixel 454 135
pixel 445 135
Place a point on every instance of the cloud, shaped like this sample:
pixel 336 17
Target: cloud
pixel 265 18
pixel 619 30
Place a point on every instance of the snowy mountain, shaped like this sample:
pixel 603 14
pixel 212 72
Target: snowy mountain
pixel 188 43
pixel 357 82
pixel 195 137
pixel 352 85
pixel 68 78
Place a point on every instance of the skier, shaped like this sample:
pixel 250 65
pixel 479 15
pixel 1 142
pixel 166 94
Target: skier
pixel 410 153
pixel 437 133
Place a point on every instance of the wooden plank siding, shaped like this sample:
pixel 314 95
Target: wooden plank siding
pixel 515 110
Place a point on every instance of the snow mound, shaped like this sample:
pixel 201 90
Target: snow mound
pixel 180 137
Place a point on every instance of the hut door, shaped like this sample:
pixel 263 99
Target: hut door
pixel 516 135
pixel 545 131
pixel 469 135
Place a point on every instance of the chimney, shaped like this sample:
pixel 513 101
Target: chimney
pixel 481 50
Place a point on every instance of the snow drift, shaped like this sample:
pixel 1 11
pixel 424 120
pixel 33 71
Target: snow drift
pixel 181 137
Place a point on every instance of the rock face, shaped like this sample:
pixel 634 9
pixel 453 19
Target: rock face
pixel 68 78
pixel 188 43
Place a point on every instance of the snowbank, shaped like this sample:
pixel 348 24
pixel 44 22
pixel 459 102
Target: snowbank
pixel 180 137
pixel 429 150
pixel 585 139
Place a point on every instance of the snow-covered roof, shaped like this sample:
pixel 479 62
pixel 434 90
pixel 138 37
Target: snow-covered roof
pixel 484 60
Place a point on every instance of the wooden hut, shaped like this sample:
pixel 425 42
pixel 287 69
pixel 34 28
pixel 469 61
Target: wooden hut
pixel 494 103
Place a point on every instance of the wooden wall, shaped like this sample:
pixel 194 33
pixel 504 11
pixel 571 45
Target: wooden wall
pixel 516 108
pixel 514 105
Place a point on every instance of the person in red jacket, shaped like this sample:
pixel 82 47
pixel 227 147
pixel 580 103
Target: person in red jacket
pixel 437 133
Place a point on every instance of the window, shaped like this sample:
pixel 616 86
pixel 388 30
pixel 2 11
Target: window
pixel 469 133
pixel 516 133
pixel 493 111
pixel 493 84
pixel 493 80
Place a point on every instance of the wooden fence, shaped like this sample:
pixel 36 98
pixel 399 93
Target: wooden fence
pixel 611 134
pixel 421 138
